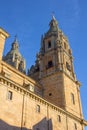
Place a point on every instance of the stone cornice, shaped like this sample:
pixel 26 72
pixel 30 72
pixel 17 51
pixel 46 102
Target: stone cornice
pixel 12 85
pixel 2 31
pixel 3 64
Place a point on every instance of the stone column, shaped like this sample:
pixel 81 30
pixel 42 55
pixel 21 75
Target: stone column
pixel 3 36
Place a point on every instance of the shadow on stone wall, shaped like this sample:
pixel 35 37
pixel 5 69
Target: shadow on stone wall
pixel 44 124
pixel 5 126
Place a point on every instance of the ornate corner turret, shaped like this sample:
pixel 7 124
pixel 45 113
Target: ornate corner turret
pixel 14 57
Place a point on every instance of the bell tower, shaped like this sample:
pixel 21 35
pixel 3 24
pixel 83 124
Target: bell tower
pixel 55 72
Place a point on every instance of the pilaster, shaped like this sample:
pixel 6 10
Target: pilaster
pixel 3 36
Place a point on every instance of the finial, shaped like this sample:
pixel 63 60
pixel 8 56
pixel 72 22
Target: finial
pixel 53 17
pixel 15 40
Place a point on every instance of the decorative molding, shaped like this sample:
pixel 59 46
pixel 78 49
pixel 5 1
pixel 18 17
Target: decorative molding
pixel 5 34
pixel 10 68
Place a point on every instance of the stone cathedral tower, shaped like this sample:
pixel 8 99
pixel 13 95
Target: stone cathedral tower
pixel 55 72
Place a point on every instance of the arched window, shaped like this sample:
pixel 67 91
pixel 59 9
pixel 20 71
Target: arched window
pixel 75 126
pixel 10 94
pixel 38 108
pixel 50 64
pixel 49 44
pixel 72 98
pixel 59 118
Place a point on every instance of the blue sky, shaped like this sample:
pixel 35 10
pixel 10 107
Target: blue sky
pixel 29 19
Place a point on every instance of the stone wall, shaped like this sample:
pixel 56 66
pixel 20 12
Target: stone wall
pixel 21 113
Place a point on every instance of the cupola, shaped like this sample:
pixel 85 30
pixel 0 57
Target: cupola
pixel 14 57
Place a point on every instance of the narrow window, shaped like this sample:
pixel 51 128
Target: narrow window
pixel 75 126
pixel 68 66
pixel 49 44
pixel 50 64
pixel 72 98
pixel 10 94
pixel 38 108
pixel 59 118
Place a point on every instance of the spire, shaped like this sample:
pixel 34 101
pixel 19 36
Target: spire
pixel 53 30
pixel 15 44
pixel 53 22
pixel 16 40
pixel 53 17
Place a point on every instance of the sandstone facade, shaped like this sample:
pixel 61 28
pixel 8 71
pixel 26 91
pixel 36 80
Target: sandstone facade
pixel 49 97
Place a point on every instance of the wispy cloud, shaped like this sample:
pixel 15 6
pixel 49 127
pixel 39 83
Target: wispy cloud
pixel 73 12
pixel 76 8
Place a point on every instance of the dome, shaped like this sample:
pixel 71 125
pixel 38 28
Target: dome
pixel 14 57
